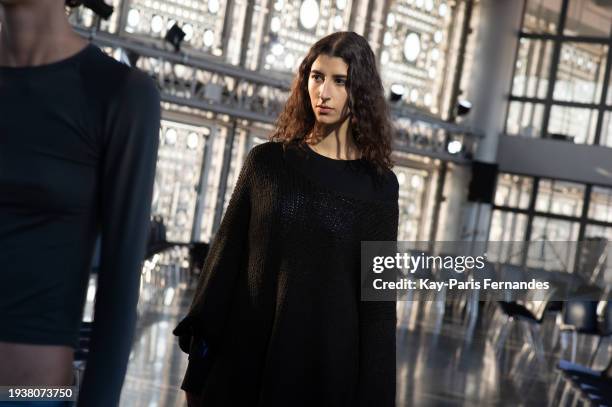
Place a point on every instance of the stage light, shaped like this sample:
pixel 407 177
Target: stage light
pixel 397 91
pixel 100 8
pixel 463 107
pixel 454 147
pixel 175 37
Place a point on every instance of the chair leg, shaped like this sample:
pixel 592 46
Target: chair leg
pixel 536 340
pixel 503 334
pixel 567 394
pixel 594 354
pixel 576 399
pixel 574 345
pixel 554 389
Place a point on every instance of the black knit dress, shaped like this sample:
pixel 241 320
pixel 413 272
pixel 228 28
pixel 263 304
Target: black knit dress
pixel 278 302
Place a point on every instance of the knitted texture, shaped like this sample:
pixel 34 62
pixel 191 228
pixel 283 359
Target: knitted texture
pixel 278 301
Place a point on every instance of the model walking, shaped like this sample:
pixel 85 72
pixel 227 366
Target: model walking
pixel 78 145
pixel 277 318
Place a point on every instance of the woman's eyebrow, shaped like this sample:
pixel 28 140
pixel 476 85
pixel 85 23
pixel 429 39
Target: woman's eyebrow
pixel 321 73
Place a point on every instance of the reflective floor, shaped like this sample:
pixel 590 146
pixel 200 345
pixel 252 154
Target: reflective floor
pixel 442 360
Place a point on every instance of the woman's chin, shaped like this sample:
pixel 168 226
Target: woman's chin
pixel 326 119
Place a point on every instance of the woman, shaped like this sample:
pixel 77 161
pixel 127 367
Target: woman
pixel 277 318
pixel 78 141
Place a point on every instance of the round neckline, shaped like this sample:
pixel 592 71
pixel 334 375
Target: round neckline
pixel 314 153
pixel 51 65
pixel 322 188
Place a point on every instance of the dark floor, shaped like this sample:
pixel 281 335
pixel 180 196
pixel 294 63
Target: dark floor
pixel 441 361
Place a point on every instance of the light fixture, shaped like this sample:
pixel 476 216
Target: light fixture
pixel 454 147
pixel 157 24
pixel 213 6
pixel 397 91
pixel 384 57
pixel 175 36
pixel 132 57
pixel 443 9
pixel 309 14
pixel 170 136
pixel 414 95
pixel 401 178
pixel 100 8
pixel 193 141
pixel 412 47
pixel 209 38
pixel 275 24
pixel 188 29
pixel 133 18
pixel 388 38
pixel 289 61
pixel 278 49
pixel 338 22
pixel 463 107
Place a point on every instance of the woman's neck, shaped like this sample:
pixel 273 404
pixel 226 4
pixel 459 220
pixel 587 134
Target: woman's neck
pixel 36 32
pixel 337 142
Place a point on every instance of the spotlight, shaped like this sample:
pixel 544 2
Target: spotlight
pixel 133 57
pixel 463 107
pixel 99 7
pixel 454 147
pixel 397 91
pixel 561 136
pixel 175 36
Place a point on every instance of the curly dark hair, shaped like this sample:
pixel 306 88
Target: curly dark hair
pixel 73 3
pixel 370 125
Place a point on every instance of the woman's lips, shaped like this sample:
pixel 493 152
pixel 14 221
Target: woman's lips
pixel 324 109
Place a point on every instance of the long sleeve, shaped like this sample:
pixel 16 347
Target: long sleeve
pixel 130 142
pixel 377 322
pixel 228 253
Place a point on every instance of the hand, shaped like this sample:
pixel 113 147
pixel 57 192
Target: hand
pixel 193 400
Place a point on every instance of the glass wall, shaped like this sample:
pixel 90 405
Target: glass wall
pixel 544 212
pixel 560 88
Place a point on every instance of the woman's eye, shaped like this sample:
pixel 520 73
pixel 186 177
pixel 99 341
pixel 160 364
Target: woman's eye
pixel 340 81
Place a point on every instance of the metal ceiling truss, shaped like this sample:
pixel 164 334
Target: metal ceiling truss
pixel 203 83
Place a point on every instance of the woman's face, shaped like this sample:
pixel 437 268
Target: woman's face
pixel 327 87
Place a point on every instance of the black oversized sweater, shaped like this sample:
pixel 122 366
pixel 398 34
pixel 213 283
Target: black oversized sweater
pixel 278 301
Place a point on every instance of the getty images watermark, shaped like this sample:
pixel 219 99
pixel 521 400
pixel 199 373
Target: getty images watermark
pixel 505 271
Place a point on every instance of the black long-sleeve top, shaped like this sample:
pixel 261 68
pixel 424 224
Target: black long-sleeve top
pixel 78 146
pixel 278 301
